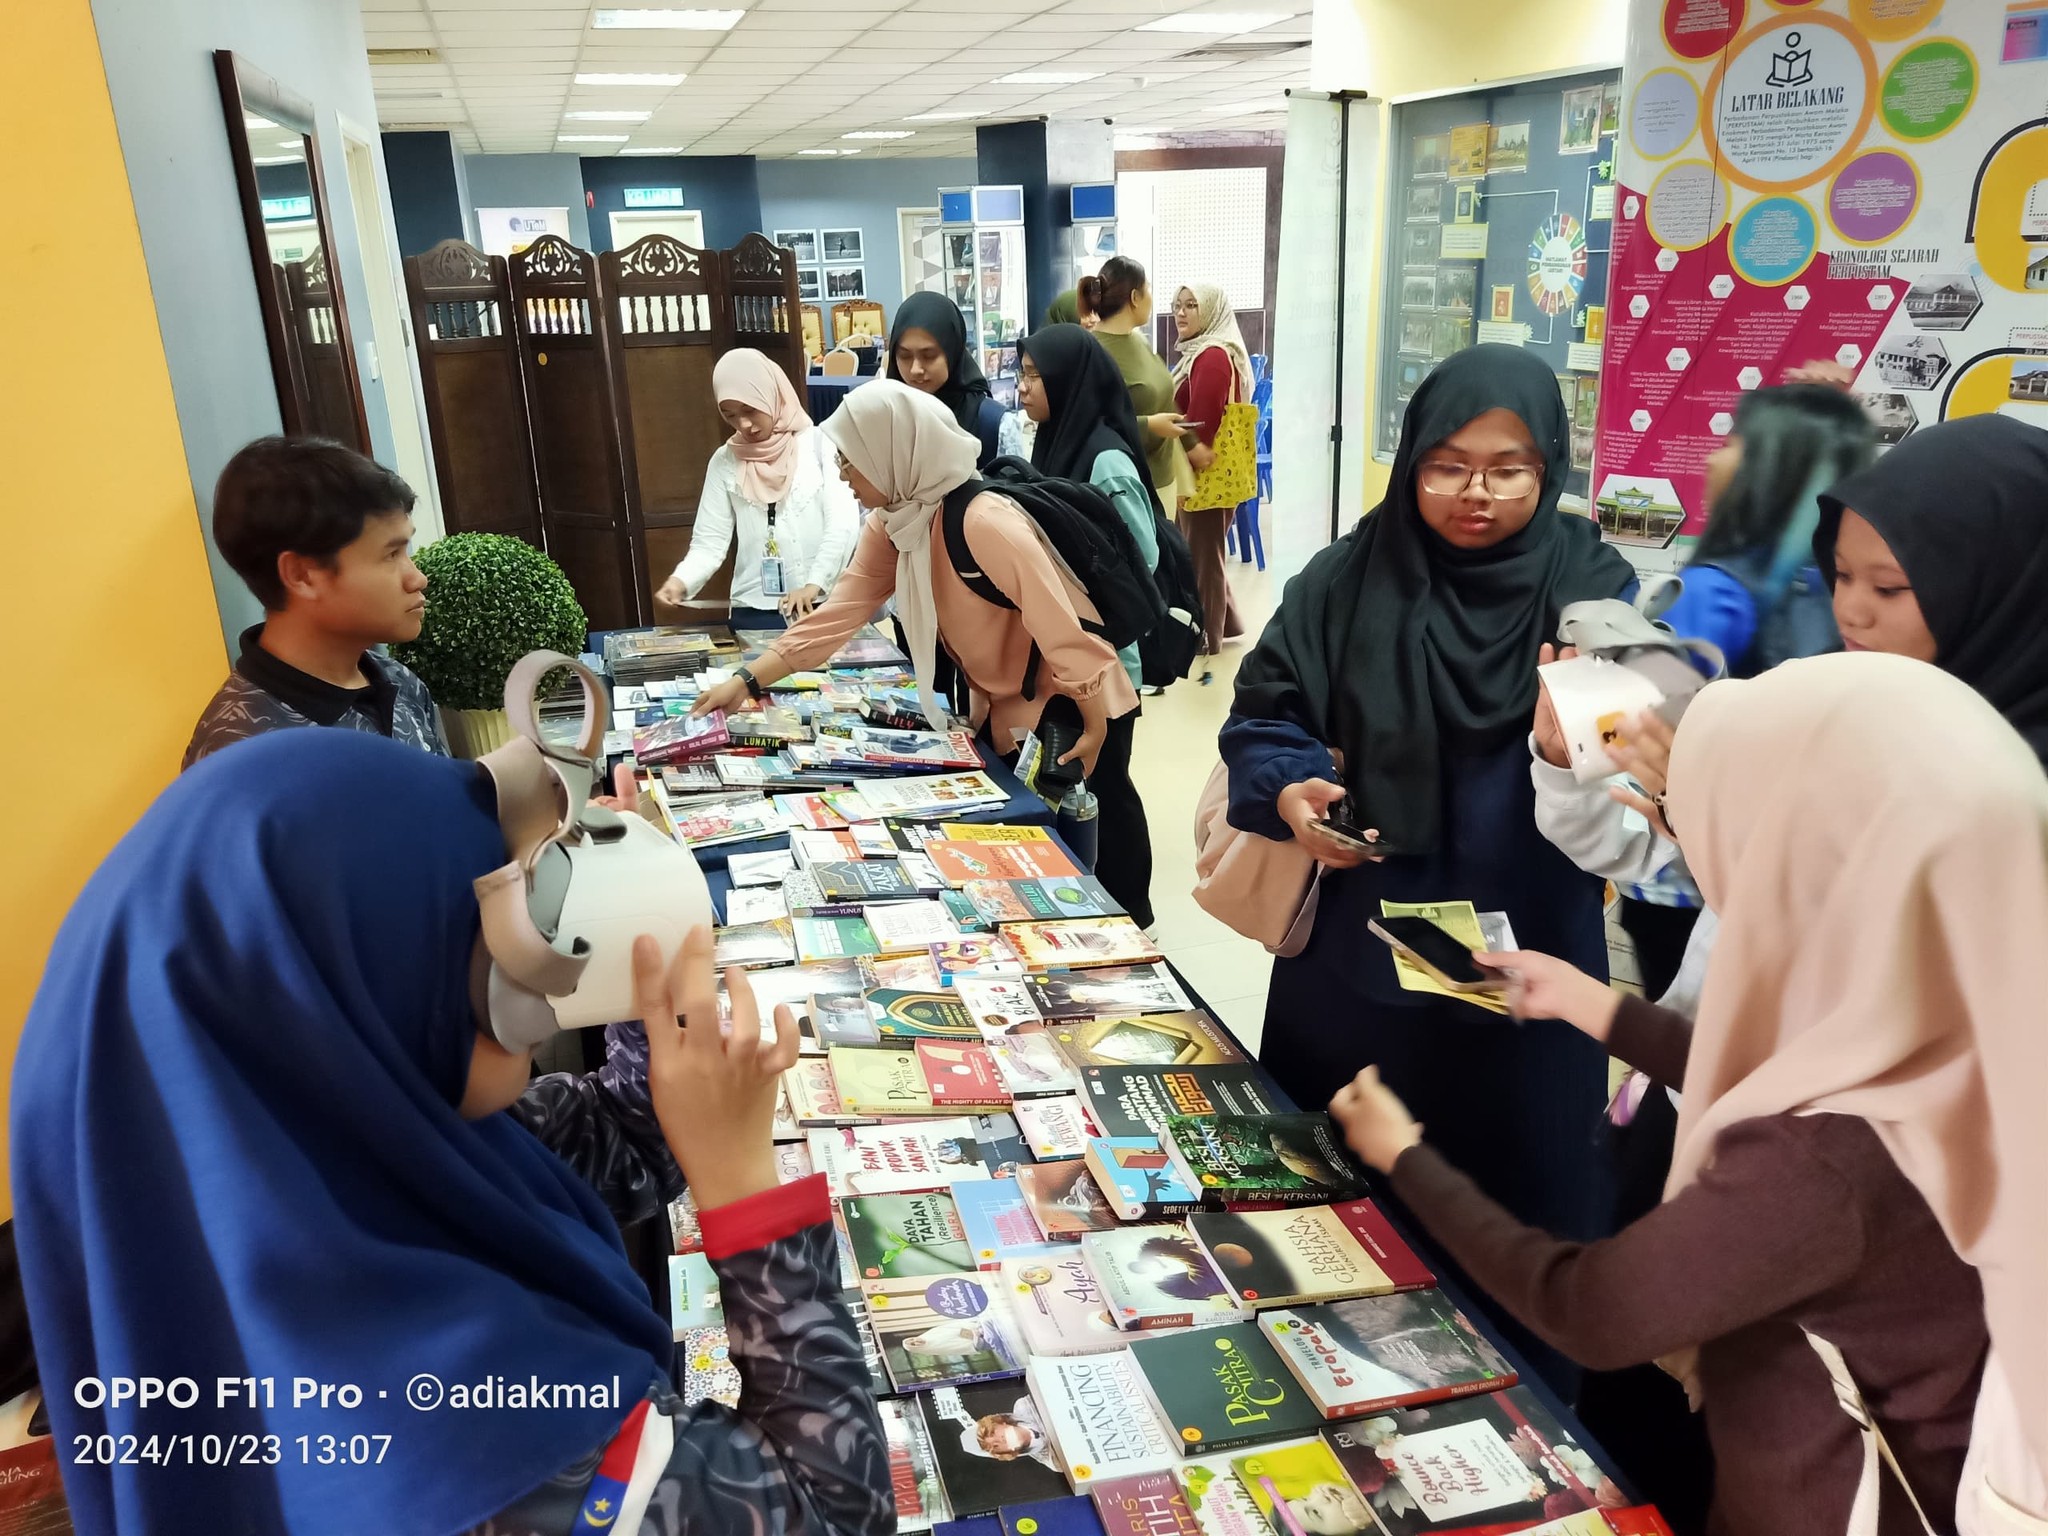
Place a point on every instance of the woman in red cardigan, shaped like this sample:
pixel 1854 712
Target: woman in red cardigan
pixel 1212 370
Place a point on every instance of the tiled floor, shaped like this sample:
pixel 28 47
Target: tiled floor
pixel 1175 751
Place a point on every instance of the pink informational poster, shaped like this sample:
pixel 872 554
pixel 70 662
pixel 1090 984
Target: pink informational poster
pixel 1861 181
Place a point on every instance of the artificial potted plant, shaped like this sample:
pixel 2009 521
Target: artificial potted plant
pixel 491 598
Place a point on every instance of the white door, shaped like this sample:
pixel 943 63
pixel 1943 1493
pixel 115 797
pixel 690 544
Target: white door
pixel 397 370
pixel 685 224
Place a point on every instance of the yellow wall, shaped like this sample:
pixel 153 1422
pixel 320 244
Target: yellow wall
pixel 1400 48
pixel 109 610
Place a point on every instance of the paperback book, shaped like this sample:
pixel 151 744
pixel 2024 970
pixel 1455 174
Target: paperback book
pixel 1156 1277
pixel 987 832
pixel 899 973
pixel 1098 1417
pixel 693 1294
pixel 880 1082
pixel 897 1237
pixel 1138 1101
pixel 913 1469
pixel 1189 1038
pixel 925 750
pixel 755 944
pixel 1147 1504
pixel 925 798
pixel 867 880
pixel 974 957
pixel 710 822
pixel 814 1096
pixel 754 904
pixel 959 862
pixel 1138 1180
pixel 1222 1388
pixel 1028 1063
pixel 1073 1515
pixel 1297 1159
pixel 1020 901
pixel 1058 1306
pixel 1131 989
pixel 920 1015
pixel 1075 945
pixel 814 847
pixel 1302 1491
pixel 676 738
pixel 759 868
pixel 999 1004
pixel 1055 1128
pixel 943 1331
pixel 904 1158
pixel 1064 1200
pixel 1378 1352
pixel 1498 1461
pixel 708 1372
pixel 1221 1504
pixel 958 1074
pixel 992 1451
pixel 910 927
pixel 1287 1258
pixel 1002 1144
pixel 998 1223
pixel 841 1018
pixel 1404 1270
pixel 833 938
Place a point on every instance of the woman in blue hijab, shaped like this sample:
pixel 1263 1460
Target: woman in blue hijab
pixel 259 1154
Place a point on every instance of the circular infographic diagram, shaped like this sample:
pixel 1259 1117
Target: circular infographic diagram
pixel 1557 264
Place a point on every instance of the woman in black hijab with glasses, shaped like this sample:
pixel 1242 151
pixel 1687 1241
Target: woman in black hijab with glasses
pixel 1400 669
pixel 928 350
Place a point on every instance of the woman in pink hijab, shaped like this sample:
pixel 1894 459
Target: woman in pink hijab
pixel 774 485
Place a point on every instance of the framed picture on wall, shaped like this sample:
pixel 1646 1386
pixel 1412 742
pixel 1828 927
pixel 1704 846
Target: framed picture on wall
pixel 842 244
pixel 846 282
pixel 1578 127
pixel 1418 291
pixel 807 288
pixel 803 242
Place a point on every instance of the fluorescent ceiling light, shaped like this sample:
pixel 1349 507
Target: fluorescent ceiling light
pixel 277 159
pixel 882 133
pixel 828 151
pixel 942 117
pixel 1226 23
pixel 654 149
pixel 591 138
pixel 606 117
pixel 1246 108
pixel 683 21
pixel 1048 77
pixel 603 78
pixel 251 120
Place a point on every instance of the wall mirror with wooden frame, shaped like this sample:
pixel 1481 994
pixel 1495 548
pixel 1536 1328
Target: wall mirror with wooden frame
pixel 291 246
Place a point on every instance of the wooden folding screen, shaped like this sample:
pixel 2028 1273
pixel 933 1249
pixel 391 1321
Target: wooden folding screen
pixel 760 308
pixel 558 318
pixel 315 342
pixel 476 404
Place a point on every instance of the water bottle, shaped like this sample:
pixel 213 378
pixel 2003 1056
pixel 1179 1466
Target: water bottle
pixel 1080 823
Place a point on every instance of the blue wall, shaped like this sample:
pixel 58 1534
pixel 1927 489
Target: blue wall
pixel 859 194
pixel 724 187
pixel 527 181
pixel 425 200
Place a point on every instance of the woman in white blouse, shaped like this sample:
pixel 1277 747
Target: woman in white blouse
pixel 776 481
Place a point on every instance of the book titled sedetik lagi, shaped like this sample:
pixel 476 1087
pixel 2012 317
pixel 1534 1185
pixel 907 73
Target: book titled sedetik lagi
pixel 1138 1180
pixel 895 1236
pixel 1189 1038
pixel 903 1158
pixel 1148 1504
pixel 1073 944
pixel 1155 1277
pixel 1296 1159
pixel 1098 1418
pixel 958 1074
pixel 1378 1352
pixel 1287 1258
pixel 1138 1101
pixel 1222 1388
pixel 880 1082
pixel 1058 1306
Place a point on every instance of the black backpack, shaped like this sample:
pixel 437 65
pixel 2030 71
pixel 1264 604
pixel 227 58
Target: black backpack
pixel 1156 609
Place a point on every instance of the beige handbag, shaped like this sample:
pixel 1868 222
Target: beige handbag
pixel 1263 889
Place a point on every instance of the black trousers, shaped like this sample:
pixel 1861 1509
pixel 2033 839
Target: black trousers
pixel 1123 859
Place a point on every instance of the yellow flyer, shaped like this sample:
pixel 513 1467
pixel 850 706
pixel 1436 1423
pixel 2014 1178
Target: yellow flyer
pixel 1458 918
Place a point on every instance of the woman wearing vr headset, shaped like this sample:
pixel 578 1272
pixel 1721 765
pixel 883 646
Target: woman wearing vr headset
pixel 261 1162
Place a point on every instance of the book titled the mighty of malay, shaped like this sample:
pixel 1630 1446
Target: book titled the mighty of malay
pixel 1378 1352
pixel 960 1074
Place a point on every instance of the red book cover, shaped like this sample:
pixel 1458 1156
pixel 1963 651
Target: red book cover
pixel 1149 1504
pixel 1394 1257
pixel 960 1074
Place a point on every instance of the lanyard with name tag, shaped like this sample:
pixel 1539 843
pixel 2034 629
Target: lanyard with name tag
pixel 772 582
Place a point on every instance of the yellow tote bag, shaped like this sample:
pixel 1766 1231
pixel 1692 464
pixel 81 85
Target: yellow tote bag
pixel 1232 477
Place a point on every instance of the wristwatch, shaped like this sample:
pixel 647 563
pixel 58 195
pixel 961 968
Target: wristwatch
pixel 746 675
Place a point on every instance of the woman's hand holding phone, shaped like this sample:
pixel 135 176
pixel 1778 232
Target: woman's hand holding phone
pixel 1305 808
pixel 1542 986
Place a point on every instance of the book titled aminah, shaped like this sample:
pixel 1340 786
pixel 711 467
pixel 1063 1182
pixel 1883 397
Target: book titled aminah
pixel 1156 1277
pixel 1377 1352
pixel 1220 1388
pixel 1271 1159
pixel 1096 1412
pixel 1138 1101
pixel 1288 1258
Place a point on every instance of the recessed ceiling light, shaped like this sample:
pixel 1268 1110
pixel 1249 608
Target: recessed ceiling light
pixel 654 149
pixel 591 138
pixel 1048 77
pixel 1214 22
pixel 942 117
pixel 606 117
pixel 685 21
pixel 1247 108
pixel 607 78
pixel 882 133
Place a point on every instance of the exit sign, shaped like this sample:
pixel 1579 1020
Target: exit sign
pixel 654 197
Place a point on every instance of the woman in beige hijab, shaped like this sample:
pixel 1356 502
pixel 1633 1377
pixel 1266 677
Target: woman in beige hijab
pixel 1863 1101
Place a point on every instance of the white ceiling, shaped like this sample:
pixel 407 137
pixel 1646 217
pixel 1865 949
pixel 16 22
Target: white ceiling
pixel 796 74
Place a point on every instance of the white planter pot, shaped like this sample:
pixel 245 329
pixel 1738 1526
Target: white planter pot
pixel 473 732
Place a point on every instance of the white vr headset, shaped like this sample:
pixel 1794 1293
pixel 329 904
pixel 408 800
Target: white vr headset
pixel 582 882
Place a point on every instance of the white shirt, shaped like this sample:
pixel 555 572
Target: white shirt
pixel 816 523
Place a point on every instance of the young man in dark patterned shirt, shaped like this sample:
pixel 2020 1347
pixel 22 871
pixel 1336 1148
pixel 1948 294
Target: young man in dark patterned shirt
pixel 323 537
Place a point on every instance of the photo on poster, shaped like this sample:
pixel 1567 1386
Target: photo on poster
pixel 1464 203
pixel 1468 150
pixel 1578 129
pixel 1582 447
pixel 1911 361
pixel 1426 203
pixel 841 244
pixel 1418 291
pixel 1409 372
pixel 1943 301
pixel 1503 307
pixel 1639 509
pixel 846 282
pixel 807 289
pixel 1596 324
pixel 1507 148
pixel 1418 245
pixel 802 243
pixel 1892 414
pixel 1417 333
pixel 1451 333
pixel 1457 288
pixel 1587 408
pixel 1610 107
pixel 1431 154
pixel 2029 383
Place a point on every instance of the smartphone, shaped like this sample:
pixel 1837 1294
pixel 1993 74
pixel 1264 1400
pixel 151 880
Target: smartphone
pixel 1443 954
pixel 1341 822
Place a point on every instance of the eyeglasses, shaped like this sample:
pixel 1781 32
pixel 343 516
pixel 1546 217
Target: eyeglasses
pixel 1503 482
pixel 1189 308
